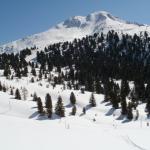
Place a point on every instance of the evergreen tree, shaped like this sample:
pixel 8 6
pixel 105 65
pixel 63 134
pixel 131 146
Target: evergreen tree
pixel 11 92
pixel 92 101
pixel 59 109
pixel 25 71
pixel 40 105
pixel 35 96
pixel 17 94
pixel 72 99
pixel 32 80
pixel 1 88
pixel 99 89
pixel 48 105
pixel 84 110
pixel 123 106
pixel 7 71
pixel 4 88
pixel 74 109
pixel 114 99
pixel 125 89
pixel 33 71
pixel 129 111
pixel 148 107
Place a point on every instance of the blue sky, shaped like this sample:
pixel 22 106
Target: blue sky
pixel 19 18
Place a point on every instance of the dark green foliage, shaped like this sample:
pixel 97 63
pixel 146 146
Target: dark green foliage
pixel 11 92
pixel 92 101
pixel 98 88
pixel 17 94
pixel 40 105
pixel 125 89
pixel 74 109
pixel 84 110
pixel 33 71
pixel 59 109
pixel 129 111
pixel 4 88
pixel 72 99
pixel 35 97
pixel 123 106
pixel 48 105
pixel 1 88
pixel 114 99
pixel 148 107
pixel 32 80
pixel 7 71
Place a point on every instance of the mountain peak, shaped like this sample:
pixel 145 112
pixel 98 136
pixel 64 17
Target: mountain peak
pixel 75 27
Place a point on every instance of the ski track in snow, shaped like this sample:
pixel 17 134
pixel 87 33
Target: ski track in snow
pixel 128 140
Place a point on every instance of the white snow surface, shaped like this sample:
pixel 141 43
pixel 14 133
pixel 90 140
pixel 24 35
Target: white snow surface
pixel 75 27
pixel 22 128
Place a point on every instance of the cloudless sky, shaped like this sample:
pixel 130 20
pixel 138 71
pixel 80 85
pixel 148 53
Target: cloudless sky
pixel 19 18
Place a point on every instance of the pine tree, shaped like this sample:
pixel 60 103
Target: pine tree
pixel 123 106
pixel 59 109
pixel 125 89
pixel 72 99
pixel 40 105
pixel 129 112
pixel 148 107
pixel 92 101
pixel 99 89
pixel 4 88
pixel 32 80
pixel 74 109
pixel 84 110
pixel 48 105
pixel 11 92
pixel 17 94
pixel 33 71
pixel 114 98
pixel 25 71
pixel 35 96
pixel 1 88
pixel 7 71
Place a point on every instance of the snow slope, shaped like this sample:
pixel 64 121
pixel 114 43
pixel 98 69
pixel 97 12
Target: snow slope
pixel 74 133
pixel 22 127
pixel 75 27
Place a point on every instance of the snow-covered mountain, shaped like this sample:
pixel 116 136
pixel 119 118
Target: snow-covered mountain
pixel 75 27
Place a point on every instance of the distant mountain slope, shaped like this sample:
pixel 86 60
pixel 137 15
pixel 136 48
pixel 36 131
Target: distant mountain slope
pixel 75 27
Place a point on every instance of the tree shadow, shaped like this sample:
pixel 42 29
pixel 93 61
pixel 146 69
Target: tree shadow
pixel 34 107
pixel 68 106
pixel 126 121
pixel 121 117
pixel 33 115
pixel 45 117
pixel 82 114
pixel 13 98
pixel 103 102
pixel 87 107
pixel 110 112
pixel 42 118
pixel 108 104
